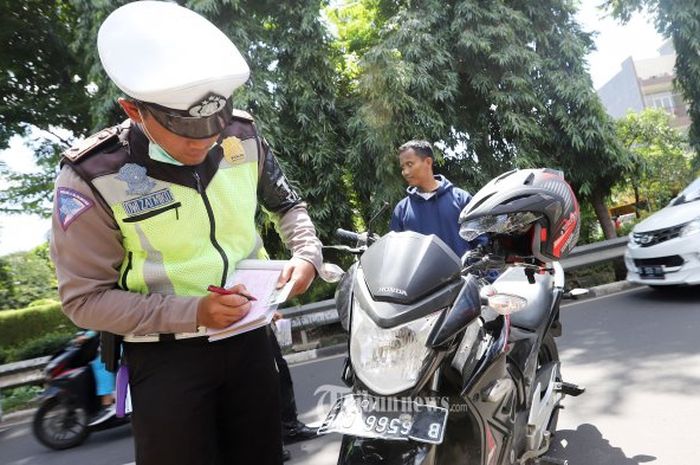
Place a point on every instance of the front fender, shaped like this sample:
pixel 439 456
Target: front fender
pixel 49 392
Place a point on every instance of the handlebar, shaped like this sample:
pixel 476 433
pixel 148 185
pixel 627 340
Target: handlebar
pixel 345 235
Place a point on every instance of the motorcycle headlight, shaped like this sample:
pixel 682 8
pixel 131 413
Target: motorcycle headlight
pixel 388 361
pixel 691 228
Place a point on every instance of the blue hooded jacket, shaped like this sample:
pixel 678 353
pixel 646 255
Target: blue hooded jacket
pixel 437 215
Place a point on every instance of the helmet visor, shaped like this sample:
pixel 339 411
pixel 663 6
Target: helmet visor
pixel 499 224
pixel 192 127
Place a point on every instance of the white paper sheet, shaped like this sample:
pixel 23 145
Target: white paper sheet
pixel 260 279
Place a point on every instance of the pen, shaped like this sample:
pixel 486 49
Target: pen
pixel 222 291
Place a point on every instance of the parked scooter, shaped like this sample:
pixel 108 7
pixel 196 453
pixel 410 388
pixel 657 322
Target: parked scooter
pixel 70 400
pixel 445 366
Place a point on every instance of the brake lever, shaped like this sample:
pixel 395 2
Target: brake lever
pixel 345 248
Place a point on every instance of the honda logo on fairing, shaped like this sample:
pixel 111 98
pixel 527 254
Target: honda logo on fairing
pixel 393 290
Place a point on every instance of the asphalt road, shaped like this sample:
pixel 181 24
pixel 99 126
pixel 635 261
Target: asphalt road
pixel 638 355
pixel 636 352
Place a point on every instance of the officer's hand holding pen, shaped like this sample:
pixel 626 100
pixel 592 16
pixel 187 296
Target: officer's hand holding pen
pixel 223 307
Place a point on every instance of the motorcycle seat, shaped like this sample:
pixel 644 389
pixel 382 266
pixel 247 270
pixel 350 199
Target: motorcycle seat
pixel 539 297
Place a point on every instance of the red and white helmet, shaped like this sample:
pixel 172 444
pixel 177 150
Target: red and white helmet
pixel 533 212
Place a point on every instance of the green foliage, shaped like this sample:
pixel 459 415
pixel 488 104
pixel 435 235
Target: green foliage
pixel 590 228
pixel 319 290
pixel 19 326
pixel 357 24
pixel 679 20
pixel 46 344
pixel 7 283
pixel 43 86
pixel 495 84
pixel 26 277
pixel 307 129
pixel 19 398
pixel 579 137
pixel 661 166
pixel 32 192
pixel 590 276
pixel 43 82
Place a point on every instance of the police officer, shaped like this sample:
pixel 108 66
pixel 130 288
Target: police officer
pixel 147 214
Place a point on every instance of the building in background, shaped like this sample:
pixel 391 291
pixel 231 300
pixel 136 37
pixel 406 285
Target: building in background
pixel 646 84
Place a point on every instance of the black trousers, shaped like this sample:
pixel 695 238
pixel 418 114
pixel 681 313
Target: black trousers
pixel 288 406
pixel 197 402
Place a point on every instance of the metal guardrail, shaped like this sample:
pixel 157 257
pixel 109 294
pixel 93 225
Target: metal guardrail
pixel 22 373
pixel 598 252
pixel 322 313
pixel 312 315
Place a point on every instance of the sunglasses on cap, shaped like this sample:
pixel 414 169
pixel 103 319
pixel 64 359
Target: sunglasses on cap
pixel 201 121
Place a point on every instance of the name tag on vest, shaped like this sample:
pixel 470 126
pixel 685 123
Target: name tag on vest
pixel 148 202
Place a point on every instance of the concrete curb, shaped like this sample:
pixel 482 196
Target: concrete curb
pixel 610 288
pixel 313 354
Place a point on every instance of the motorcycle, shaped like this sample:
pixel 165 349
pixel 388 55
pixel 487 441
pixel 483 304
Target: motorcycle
pixel 70 400
pixel 446 364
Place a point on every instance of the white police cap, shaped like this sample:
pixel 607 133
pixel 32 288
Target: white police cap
pixel 162 53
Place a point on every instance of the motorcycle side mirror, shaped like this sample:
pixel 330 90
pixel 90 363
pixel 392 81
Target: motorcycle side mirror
pixel 575 293
pixel 370 236
pixel 330 272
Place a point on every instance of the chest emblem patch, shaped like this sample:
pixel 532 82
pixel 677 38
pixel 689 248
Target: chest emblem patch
pixel 70 205
pixel 233 150
pixel 135 177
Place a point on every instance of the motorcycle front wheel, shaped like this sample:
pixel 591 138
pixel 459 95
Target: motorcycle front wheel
pixel 59 425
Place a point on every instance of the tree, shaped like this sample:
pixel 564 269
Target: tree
pixel 581 138
pixel 679 20
pixel 292 92
pixel 494 84
pixel 661 166
pixel 26 277
pixel 43 86
pixel 43 81
pixel 497 84
pixel 32 192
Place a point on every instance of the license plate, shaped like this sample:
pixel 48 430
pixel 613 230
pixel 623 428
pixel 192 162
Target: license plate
pixel 656 272
pixel 386 418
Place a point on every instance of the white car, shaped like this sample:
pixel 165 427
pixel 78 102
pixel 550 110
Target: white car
pixel 664 249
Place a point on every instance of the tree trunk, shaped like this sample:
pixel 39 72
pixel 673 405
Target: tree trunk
pixel 603 215
pixel 636 201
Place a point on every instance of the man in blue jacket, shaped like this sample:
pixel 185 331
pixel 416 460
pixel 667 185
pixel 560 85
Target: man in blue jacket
pixel 433 204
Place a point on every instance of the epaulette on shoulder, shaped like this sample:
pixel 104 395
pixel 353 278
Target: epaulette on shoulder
pixel 241 114
pixel 92 144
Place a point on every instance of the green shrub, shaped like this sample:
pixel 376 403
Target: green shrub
pixel 19 398
pixel 592 275
pixel 17 327
pixel 47 344
pixel 26 277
